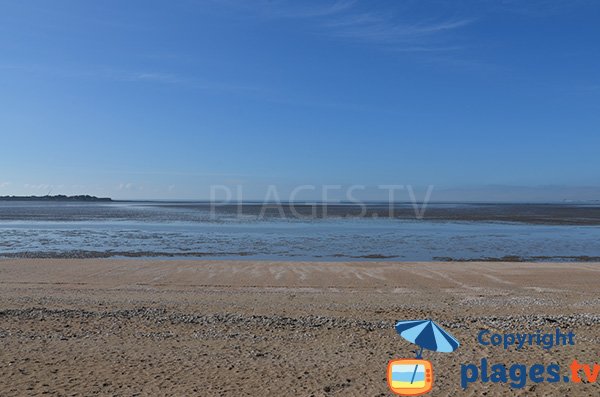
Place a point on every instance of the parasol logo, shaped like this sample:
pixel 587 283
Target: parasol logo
pixel 413 377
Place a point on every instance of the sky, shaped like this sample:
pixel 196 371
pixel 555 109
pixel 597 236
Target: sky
pixel 482 100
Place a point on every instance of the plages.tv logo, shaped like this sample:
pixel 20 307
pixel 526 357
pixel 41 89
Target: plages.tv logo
pixel 413 377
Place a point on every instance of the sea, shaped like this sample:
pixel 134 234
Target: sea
pixel 374 231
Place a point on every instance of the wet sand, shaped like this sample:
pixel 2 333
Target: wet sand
pixel 247 328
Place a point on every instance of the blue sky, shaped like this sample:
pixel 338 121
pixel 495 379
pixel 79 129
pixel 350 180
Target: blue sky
pixel 148 99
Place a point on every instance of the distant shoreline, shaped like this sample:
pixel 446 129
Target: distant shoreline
pixel 255 257
pixel 59 197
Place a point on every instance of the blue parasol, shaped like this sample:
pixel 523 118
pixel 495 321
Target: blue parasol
pixel 427 335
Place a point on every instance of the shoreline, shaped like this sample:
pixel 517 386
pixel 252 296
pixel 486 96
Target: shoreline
pixel 251 257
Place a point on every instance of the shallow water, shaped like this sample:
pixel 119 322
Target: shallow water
pixel 177 230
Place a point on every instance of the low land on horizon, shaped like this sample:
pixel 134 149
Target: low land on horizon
pixel 249 328
pixel 58 197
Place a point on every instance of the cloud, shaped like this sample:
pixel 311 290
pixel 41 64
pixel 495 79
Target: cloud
pixel 189 82
pixel 429 49
pixel 129 186
pixel 297 9
pixel 4 184
pixel 366 28
pixel 133 76
pixel 40 186
pixel 358 22
pixel 275 9
pixel 153 77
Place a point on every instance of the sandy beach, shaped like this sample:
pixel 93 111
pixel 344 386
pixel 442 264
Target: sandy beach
pixel 247 328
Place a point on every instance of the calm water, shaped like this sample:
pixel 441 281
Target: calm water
pixel 174 230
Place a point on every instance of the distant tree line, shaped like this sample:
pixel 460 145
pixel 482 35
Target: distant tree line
pixel 58 197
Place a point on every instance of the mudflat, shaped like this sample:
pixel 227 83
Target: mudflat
pixel 249 328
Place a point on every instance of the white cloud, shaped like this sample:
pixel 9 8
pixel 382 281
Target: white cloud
pixel 367 28
pixel 150 77
pixel 356 21
pixel 129 186
pixel 40 186
pixel 296 9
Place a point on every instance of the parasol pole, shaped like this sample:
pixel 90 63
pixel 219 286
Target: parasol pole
pixel 420 353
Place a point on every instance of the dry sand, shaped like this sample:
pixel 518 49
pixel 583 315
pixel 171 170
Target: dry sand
pixel 245 328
